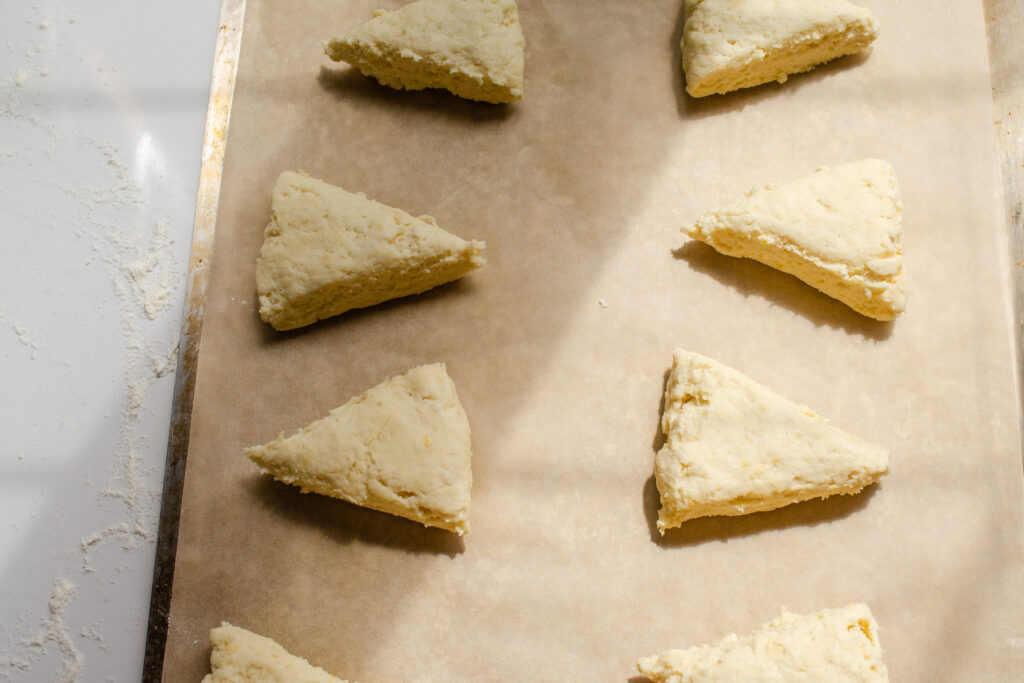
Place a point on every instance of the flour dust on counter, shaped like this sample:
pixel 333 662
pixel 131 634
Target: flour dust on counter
pixel 24 336
pixel 53 631
pixel 100 170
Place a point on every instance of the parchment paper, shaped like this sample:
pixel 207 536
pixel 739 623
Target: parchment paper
pixel 560 346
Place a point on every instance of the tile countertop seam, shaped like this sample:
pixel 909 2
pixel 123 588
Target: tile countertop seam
pixel 1004 21
pixel 229 40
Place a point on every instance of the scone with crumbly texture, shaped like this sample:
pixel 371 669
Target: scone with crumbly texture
pixel 733 446
pixel 241 656
pixel 733 44
pixel 473 48
pixel 401 447
pixel 838 229
pixel 327 251
pixel 834 645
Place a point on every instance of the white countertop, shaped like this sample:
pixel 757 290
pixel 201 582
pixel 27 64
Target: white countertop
pixel 102 108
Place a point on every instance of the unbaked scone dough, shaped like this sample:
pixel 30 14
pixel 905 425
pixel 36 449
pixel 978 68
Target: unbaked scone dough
pixel 838 229
pixel 473 48
pixel 327 251
pixel 733 446
pixel 833 646
pixel 401 447
pixel 241 656
pixel 733 44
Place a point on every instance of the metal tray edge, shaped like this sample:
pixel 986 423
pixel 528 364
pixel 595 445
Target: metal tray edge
pixel 225 68
pixel 1004 21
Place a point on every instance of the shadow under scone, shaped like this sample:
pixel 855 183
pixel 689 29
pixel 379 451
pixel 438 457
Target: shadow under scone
pixel 753 279
pixel 707 529
pixel 345 523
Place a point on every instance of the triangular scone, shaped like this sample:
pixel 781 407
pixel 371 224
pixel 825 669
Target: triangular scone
pixel 733 446
pixel 327 251
pixel 733 44
pixel 838 230
pixel 833 645
pixel 473 48
pixel 241 656
pixel 400 447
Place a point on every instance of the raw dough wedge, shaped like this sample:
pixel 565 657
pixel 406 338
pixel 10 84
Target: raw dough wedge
pixel 839 230
pixel 241 656
pixel 733 44
pixel 401 447
pixel 733 446
pixel 327 251
pixel 833 645
pixel 473 48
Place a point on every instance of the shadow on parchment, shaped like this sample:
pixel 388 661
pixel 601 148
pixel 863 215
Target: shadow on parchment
pixel 750 278
pixel 712 105
pixel 345 523
pixel 268 336
pixel 722 529
pixel 659 435
pixel 347 83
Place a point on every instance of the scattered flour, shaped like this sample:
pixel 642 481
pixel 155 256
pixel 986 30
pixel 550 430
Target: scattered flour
pixel 168 363
pixel 53 632
pixel 93 634
pixel 137 387
pixel 153 278
pixel 23 335
pixel 87 545
pixel 131 242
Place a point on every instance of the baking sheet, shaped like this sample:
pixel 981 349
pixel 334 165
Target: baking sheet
pixel 559 348
pixel 222 85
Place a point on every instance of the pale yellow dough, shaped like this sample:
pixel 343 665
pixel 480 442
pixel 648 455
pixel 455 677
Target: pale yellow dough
pixel 473 48
pixel 241 656
pixel 401 447
pixel 733 44
pixel 733 446
pixel 838 229
pixel 327 251
pixel 833 646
